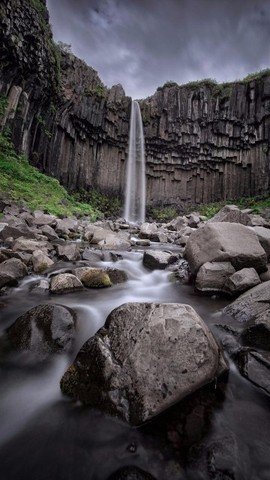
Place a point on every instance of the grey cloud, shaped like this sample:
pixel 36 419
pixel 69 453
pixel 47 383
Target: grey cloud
pixel 143 43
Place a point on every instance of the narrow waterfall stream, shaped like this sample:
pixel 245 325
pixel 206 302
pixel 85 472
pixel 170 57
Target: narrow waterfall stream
pixel 134 210
pixel 44 436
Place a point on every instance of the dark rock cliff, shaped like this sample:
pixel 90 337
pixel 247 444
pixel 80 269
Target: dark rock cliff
pixel 204 142
pixel 208 142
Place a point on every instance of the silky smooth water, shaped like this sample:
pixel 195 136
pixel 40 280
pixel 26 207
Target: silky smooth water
pixel 45 436
pixel 134 210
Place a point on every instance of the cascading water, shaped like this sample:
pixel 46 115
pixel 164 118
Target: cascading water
pixel 135 181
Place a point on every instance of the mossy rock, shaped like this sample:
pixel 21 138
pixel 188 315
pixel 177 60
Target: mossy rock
pixel 93 277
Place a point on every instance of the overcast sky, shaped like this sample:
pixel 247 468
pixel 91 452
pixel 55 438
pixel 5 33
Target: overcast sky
pixel 143 43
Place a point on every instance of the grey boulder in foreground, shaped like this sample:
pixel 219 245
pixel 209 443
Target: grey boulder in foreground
pixel 146 358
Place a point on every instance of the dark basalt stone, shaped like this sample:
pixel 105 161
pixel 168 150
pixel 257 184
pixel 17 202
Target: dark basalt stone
pixel 44 330
pixel 131 473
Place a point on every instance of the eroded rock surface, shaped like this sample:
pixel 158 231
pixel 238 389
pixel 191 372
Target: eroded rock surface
pixel 146 358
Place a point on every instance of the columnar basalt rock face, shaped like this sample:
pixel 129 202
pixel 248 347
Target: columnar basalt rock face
pixel 60 114
pixel 203 142
pixel 207 143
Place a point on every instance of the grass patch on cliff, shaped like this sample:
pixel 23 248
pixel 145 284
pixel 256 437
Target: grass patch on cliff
pixel 21 182
pixel 257 204
pixel 163 214
pixel 110 206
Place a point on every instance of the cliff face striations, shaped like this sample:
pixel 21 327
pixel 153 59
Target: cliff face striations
pixel 60 114
pixel 204 141
pixel 208 142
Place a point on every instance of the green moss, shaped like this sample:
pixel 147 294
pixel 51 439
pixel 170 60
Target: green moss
pixel 96 91
pixel 42 267
pixel 257 204
pixel 96 279
pixel 222 91
pixel 3 105
pixel 208 82
pixel 256 75
pixel 22 182
pixel 163 214
pixel 170 83
pixel 108 205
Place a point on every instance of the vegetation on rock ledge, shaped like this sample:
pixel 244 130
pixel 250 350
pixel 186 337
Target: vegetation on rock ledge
pixel 256 204
pixel 21 182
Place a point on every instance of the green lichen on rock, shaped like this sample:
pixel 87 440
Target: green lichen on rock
pixel 94 277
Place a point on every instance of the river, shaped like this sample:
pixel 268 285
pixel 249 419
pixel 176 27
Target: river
pixel 221 434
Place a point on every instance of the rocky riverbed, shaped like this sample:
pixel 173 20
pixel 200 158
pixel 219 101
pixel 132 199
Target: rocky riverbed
pixel 161 322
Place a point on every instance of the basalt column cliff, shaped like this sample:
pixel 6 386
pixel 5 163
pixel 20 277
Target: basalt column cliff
pixel 204 141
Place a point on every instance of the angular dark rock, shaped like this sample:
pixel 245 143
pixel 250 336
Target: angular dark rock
pixel 11 271
pixel 250 304
pixel 157 259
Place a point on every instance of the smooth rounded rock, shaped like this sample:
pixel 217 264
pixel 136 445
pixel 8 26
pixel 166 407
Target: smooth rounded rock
pixel 64 283
pixel 43 330
pixel 146 358
pixel 93 277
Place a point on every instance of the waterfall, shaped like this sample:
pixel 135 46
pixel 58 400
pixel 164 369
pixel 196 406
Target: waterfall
pixel 134 210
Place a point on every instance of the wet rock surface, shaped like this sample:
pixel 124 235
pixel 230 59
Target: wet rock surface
pixel 43 330
pixel 154 259
pixel 11 271
pixel 145 359
pixel 251 303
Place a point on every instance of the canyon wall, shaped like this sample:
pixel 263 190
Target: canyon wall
pixel 204 142
pixel 208 142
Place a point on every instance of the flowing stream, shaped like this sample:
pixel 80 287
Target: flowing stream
pixel 45 436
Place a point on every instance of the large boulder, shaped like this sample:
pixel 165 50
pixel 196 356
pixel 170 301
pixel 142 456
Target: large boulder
pixel 251 303
pixel 231 214
pixel 93 277
pixel 212 277
pixel 257 333
pixel 29 246
pixel 264 238
pixel 157 259
pixel 255 367
pixel 146 358
pixel 66 225
pixel 41 261
pixel 95 234
pixel 242 280
pixel 225 242
pixel 115 242
pixel 16 232
pixel 41 219
pixel 65 283
pixel 147 230
pixel 43 330
pixel 11 271
pixel 69 252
